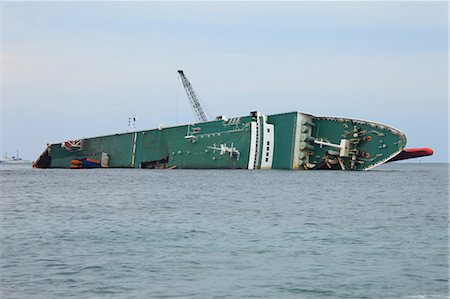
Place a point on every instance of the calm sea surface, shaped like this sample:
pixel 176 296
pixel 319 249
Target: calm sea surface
pixel 224 234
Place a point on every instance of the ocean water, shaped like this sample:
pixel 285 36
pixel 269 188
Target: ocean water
pixel 225 233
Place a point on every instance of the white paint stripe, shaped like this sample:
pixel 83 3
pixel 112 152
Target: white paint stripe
pixel 258 142
pixel 133 154
pixel 267 146
pixel 252 152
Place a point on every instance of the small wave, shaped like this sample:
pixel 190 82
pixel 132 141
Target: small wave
pixel 303 290
pixel 427 297
pixel 92 268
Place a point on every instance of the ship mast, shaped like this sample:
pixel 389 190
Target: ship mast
pixel 199 113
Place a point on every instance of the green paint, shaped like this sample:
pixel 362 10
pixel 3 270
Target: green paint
pixel 284 139
pixel 226 144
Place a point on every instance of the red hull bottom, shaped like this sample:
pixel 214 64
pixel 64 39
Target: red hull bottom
pixel 410 153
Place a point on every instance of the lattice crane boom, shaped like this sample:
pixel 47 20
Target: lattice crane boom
pixel 195 103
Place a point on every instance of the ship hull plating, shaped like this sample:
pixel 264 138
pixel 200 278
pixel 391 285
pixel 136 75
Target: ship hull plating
pixel 282 141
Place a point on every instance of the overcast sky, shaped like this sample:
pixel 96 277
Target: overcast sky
pixel 80 69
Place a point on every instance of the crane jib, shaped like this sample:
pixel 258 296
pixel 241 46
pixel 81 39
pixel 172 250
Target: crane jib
pixel 195 103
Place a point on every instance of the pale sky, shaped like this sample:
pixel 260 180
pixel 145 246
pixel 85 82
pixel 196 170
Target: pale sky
pixel 80 69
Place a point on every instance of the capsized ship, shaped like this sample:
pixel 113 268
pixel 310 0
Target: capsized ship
pixel 292 140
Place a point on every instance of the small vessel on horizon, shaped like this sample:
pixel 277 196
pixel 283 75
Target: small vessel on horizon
pixel 14 159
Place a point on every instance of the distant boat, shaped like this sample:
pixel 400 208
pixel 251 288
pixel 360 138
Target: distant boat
pixel 14 159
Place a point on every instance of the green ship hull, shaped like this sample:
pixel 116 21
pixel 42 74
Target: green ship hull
pixel 282 141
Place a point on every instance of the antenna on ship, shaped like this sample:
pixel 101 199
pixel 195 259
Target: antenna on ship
pixel 197 108
pixel 132 122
